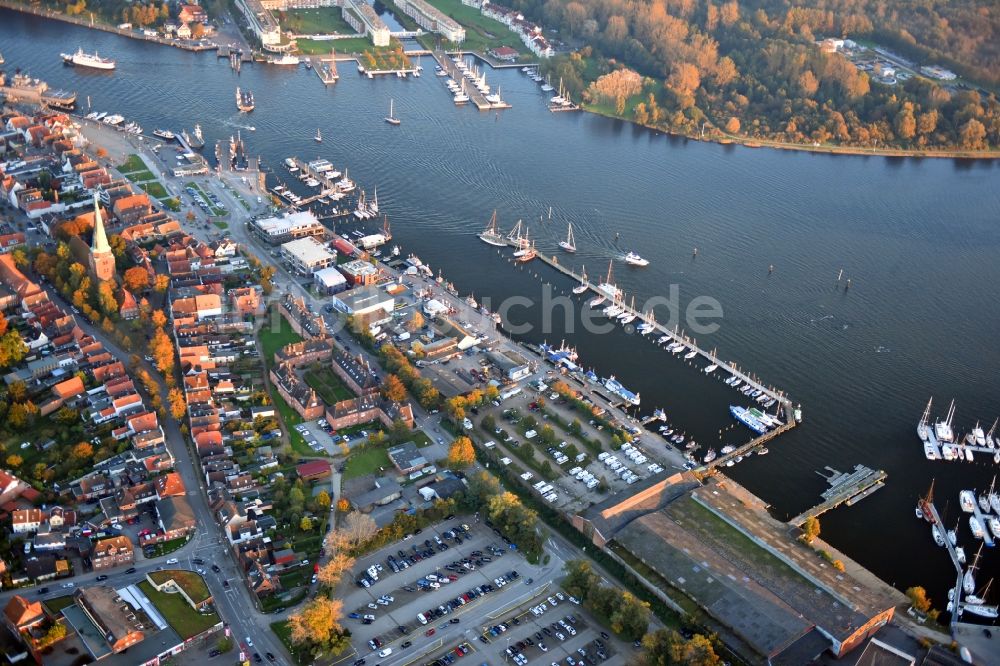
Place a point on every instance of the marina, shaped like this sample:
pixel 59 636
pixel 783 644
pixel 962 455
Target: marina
pixel 326 68
pixel 941 442
pixel 455 68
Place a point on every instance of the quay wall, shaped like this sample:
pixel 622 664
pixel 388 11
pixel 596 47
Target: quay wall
pixel 76 20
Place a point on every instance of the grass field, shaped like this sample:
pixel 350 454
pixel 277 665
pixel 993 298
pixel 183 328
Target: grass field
pixel 291 419
pixel 154 189
pixel 168 546
pixel 283 633
pixel 172 203
pixel 178 614
pixel 274 335
pixel 56 604
pixel 324 20
pixel 366 461
pixel 132 164
pixel 328 385
pixel 350 45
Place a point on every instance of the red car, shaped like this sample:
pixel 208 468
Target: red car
pixel 429 632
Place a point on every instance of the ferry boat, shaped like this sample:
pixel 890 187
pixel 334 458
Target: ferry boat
pixel 491 235
pixel 747 419
pixel 244 100
pixel 618 389
pixel 22 83
pixel 166 135
pixel 633 259
pixel 93 61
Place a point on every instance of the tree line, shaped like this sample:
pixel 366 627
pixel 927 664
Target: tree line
pixel 753 69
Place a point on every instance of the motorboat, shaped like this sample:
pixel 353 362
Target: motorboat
pixel 633 259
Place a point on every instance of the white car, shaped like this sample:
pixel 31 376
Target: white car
pixel 173 560
pixel 249 642
pixel 386 652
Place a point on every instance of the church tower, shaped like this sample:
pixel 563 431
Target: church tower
pixel 102 261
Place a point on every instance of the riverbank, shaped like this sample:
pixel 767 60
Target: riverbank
pixel 750 142
pixel 201 45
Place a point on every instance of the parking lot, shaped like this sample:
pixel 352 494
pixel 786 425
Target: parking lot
pixel 437 593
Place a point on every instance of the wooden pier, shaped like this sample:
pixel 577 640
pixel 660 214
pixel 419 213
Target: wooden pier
pixel 845 487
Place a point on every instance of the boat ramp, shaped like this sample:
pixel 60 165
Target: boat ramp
pixel 845 488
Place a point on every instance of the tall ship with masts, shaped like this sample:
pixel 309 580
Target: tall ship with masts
pixel 195 140
pixel 244 100
pixel 491 235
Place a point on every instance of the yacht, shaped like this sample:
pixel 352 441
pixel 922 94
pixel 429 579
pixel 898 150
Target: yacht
pixel 595 301
pixel 976 527
pixel 391 119
pixel 633 259
pixel 936 533
pixel 319 137
pixel 691 354
pixel 166 135
pixel 967 500
pixel 710 369
pixel 569 245
pixel 709 457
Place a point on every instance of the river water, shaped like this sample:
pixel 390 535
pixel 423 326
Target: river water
pixel 919 239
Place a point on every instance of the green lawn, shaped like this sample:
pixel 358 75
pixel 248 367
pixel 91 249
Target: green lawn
pixel 220 224
pixel 421 439
pixel 155 189
pixel 133 163
pixel 168 546
pixel 366 461
pixel 172 203
pixel 291 418
pixel 325 20
pixel 328 385
pixel 350 45
pixel 178 614
pixel 189 581
pixel 274 335
pixel 141 176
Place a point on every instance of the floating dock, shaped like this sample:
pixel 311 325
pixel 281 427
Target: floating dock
pixel 845 487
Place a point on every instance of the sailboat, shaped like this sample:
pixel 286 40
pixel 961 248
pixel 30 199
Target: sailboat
pixel 969 579
pixel 391 119
pixel 570 243
pixel 584 285
pixel 491 235
pixel 318 137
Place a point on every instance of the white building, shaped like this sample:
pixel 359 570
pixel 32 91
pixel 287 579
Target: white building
pixel 370 301
pixel 288 227
pixel 433 19
pixel 262 22
pixel 330 280
pixel 308 255
pixel 362 17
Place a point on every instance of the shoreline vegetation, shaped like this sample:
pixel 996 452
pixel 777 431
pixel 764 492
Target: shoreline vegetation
pixel 589 70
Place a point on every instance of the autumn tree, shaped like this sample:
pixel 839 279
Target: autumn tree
pixel 178 406
pixel 162 351
pixel 161 284
pixel 82 451
pixel 393 389
pixel 666 647
pixel 158 319
pixel 343 505
pixel 810 529
pixel 136 279
pixel 461 454
pixel 317 622
pixel 305 524
pixel 14 461
pixel 918 598
pixel 331 573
